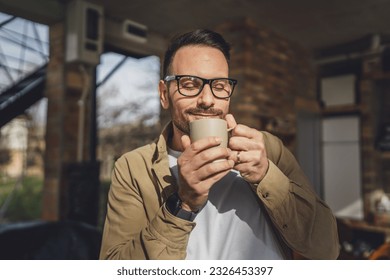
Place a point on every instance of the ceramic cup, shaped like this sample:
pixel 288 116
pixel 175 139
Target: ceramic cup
pixel 203 128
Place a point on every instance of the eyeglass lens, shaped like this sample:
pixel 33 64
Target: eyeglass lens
pixel 191 86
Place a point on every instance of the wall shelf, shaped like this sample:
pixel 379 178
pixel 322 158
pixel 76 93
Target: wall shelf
pixel 341 110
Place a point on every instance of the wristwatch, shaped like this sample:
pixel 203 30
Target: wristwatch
pixel 173 205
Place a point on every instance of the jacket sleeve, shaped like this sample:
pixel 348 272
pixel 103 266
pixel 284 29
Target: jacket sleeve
pixel 132 230
pixel 305 223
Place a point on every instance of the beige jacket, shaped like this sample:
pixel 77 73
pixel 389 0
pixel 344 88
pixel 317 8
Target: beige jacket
pixel 138 226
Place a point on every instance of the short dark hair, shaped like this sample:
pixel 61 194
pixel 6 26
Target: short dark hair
pixel 203 37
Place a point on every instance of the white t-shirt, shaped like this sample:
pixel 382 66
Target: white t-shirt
pixel 231 225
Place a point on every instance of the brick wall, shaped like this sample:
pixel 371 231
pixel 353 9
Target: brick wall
pixel 64 87
pixel 55 87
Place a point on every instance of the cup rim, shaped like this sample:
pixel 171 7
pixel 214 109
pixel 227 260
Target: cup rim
pixel 208 119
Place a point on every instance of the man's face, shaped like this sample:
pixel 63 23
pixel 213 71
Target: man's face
pixel 204 62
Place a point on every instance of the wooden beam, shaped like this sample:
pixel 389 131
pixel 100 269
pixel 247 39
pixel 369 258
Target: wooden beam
pixel 114 39
pixel 40 11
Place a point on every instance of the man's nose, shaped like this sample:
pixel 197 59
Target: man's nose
pixel 206 96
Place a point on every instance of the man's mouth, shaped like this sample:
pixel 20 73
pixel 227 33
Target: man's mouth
pixel 200 114
pixel 204 115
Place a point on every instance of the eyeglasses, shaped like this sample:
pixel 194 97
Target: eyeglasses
pixel 192 85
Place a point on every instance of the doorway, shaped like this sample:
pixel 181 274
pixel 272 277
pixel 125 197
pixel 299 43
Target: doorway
pixel 341 165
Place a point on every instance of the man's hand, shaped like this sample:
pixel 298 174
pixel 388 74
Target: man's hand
pixel 201 164
pixel 248 151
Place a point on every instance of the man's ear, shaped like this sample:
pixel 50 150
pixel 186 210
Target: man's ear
pixel 163 91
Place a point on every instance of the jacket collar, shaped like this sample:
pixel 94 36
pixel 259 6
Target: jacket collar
pixel 161 150
pixel 160 163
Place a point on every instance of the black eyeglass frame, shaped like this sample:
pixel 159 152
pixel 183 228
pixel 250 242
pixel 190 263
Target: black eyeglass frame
pixel 170 78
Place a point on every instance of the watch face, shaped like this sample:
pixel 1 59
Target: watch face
pixel 173 203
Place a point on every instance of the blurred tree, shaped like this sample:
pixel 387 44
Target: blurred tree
pixel 123 126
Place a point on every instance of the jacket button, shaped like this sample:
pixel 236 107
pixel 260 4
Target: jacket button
pixel 265 195
pixel 285 226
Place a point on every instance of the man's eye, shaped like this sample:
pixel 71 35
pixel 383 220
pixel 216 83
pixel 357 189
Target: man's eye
pixel 190 83
pixel 220 86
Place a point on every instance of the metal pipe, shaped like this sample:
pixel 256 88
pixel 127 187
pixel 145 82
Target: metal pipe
pixel 81 104
pixel 93 120
pixel 375 49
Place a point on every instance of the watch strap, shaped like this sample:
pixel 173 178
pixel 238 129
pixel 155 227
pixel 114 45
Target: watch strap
pixel 173 205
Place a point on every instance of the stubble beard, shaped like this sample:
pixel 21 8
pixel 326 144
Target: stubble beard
pixel 184 127
pixel 183 124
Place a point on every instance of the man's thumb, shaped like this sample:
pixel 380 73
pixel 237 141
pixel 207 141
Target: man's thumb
pixel 185 141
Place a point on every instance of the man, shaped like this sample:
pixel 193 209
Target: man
pixel 173 200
